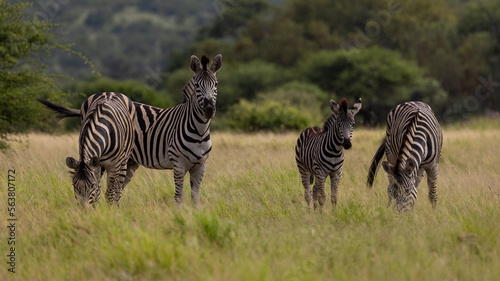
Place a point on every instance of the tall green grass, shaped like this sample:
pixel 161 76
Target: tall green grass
pixel 253 223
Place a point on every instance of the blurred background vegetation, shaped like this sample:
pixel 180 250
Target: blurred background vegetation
pixel 283 60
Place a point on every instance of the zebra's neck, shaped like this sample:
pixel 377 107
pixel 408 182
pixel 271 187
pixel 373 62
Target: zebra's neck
pixel 87 150
pixel 411 144
pixel 188 91
pixel 333 135
pixel 196 120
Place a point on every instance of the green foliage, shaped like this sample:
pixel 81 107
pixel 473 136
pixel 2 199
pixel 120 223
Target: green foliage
pixel 125 37
pixel 309 99
pixel 266 114
pixel 380 76
pixel 176 81
pixel 245 80
pixel 24 41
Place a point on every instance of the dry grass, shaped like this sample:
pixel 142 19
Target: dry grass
pixel 253 223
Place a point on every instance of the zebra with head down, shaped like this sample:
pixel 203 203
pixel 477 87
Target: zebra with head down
pixel 412 145
pixel 319 152
pixel 105 144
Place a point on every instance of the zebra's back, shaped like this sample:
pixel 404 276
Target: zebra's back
pixel 107 128
pixel 425 133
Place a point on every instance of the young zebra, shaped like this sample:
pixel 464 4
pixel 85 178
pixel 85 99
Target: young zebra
pixel 105 143
pixel 175 138
pixel 412 145
pixel 319 151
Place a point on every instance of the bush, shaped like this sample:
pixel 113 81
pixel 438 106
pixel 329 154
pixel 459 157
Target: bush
pixel 246 80
pixel 266 114
pixel 307 98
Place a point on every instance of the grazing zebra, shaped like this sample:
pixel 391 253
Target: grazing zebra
pixel 412 145
pixel 105 143
pixel 175 138
pixel 319 151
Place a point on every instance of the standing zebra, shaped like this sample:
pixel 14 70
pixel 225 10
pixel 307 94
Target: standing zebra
pixel 105 143
pixel 175 138
pixel 178 138
pixel 412 145
pixel 319 151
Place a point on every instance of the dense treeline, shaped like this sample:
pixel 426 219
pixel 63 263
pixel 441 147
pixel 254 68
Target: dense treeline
pixel 283 60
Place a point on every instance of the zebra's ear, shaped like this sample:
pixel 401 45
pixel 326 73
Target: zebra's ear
pixel 355 107
pixel 94 162
pixel 388 168
pixel 334 107
pixel 216 64
pixel 410 166
pixel 72 163
pixel 195 64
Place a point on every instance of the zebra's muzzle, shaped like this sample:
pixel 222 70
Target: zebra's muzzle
pixel 208 108
pixel 347 144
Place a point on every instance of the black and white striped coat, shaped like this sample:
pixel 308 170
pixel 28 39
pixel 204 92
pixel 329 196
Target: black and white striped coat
pixel 105 143
pixel 412 145
pixel 319 152
pixel 178 138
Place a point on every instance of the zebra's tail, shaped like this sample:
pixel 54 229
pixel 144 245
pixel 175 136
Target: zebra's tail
pixel 62 112
pixel 311 180
pixel 373 167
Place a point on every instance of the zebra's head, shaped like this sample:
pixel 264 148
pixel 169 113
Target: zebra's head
pixel 205 82
pixel 401 182
pixel 86 180
pixel 345 119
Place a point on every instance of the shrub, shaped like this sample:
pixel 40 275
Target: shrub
pixel 266 114
pixel 307 98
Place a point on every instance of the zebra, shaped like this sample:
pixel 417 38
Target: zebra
pixel 175 138
pixel 105 144
pixel 412 145
pixel 319 152
pixel 178 138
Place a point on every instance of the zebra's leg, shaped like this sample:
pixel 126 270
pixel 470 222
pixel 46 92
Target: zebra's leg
pixel 306 182
pixel 113 184
pixel 432 176
pixel 195 176
pixel 319 195
pixel 131 167
pixel 179 174
pixel 335 181
pixel 121 182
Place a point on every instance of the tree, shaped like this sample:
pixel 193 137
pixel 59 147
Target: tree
pixel 380 76
pixel 24 41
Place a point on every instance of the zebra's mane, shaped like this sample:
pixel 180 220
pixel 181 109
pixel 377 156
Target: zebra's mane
pixel 329 122
pixel 406 132
pixel 344 105
pixel 204 62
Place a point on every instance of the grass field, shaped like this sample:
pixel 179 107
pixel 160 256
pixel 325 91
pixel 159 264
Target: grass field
pixel 253 223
